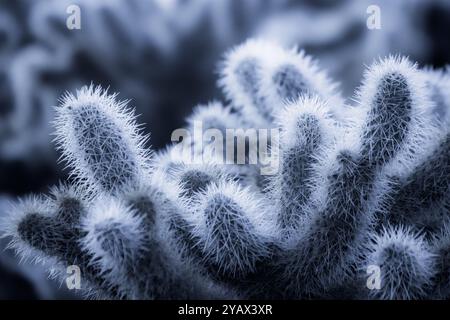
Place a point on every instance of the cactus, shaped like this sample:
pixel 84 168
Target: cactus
pixel 355 186
pixel 441 248
pixel 420 198
pixel 406 262
pixel 397 102
pixel 233 230
pixel 306 129
pixel 100 140
pixel 258 77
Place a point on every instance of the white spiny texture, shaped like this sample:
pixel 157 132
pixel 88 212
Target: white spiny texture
pixel 218 123
pixel 50 232
pixel 421 199
pixel 213 116
pixel 15 225
pixel 370 190
pixel 161 272
pixel 233 230
pixel 259 77
pixel 194 179
pixel 242 74
pixel 333 232
pixel 421 196
pixel 115 237
pixel 306 130
pixel 441 248
pixel 99 139
pixel 397 106
pixel 406 264
pixel 292 75
pixel 169 159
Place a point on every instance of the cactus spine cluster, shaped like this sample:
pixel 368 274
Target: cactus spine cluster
pixel 357 186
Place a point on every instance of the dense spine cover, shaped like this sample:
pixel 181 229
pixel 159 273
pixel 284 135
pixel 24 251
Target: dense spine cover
pixel 348 194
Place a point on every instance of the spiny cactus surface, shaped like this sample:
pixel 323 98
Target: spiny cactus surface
pixel 357 188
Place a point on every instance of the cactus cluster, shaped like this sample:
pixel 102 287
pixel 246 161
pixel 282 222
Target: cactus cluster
pixel 358 186
pixel 40 58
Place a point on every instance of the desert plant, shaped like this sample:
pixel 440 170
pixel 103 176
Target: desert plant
pixel 349 192
pixel 407 264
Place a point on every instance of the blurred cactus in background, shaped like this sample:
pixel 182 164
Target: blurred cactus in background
pixel 358 185
pixel 142 48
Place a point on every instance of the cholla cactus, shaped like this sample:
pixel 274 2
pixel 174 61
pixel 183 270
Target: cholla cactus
pixel 233 230
pixel 441 248
pixel 100 140
pixel 406 262
pixel 355 184
pixel 259 76
pixel 307 129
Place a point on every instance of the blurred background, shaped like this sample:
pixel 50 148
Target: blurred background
pixel 164 55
